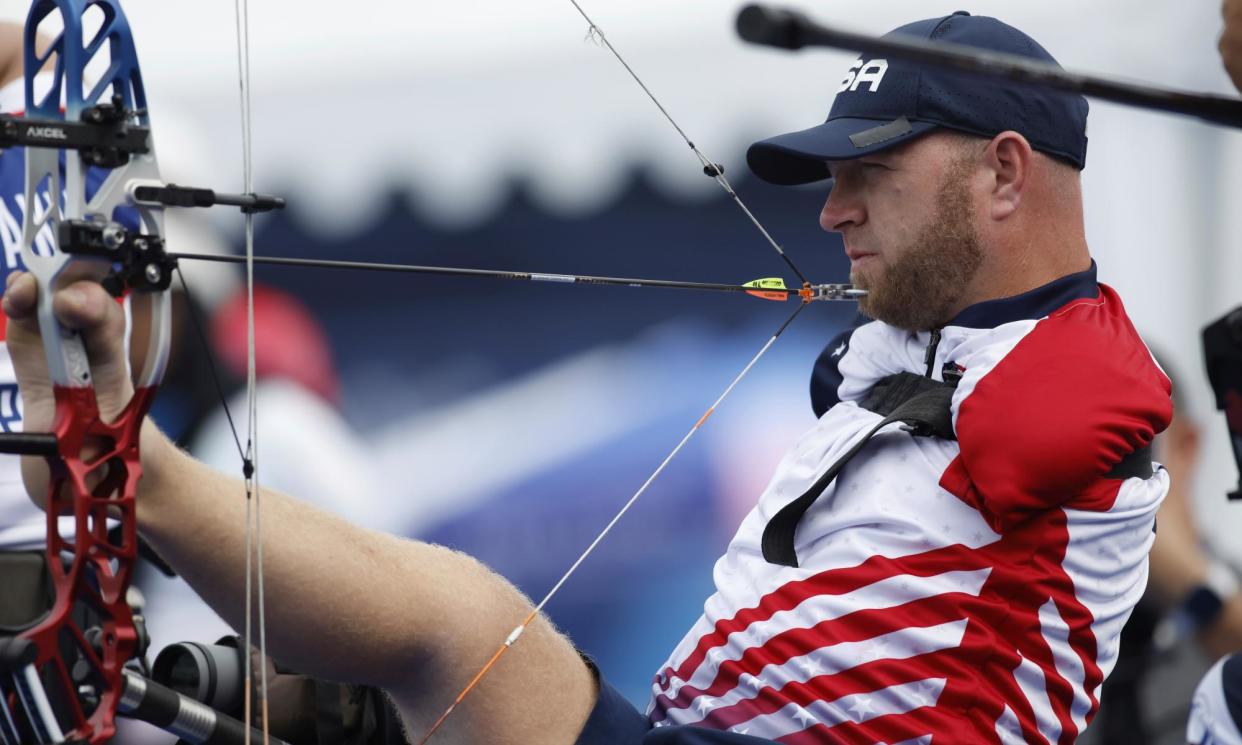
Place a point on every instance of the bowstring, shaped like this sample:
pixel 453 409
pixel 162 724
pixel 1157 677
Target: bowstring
pixel 254 543
pixel 254 507
pixel 710 167
pixel 716 172
pixel 197 322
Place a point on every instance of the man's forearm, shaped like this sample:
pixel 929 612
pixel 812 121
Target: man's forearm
pixel 354 605
pixel 342 602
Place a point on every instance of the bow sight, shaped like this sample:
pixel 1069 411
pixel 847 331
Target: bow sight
pixel 107 136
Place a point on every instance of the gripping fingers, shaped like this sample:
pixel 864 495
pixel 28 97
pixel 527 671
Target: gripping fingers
pixel 20 295
pixel 86 307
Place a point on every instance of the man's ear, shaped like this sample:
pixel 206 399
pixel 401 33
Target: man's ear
pixel 1008 159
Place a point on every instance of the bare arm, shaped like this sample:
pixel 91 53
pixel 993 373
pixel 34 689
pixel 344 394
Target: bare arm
pixel 343 603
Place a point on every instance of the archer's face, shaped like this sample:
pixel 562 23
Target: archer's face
pixel 909 226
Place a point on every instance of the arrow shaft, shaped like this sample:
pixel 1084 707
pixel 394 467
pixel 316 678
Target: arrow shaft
pixel 492 273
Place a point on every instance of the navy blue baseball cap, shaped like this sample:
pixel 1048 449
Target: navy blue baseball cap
pixel 885 103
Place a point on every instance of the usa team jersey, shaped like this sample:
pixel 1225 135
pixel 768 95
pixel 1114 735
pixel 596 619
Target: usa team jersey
pixel 948 591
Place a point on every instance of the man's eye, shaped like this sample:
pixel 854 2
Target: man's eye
pixel 875 166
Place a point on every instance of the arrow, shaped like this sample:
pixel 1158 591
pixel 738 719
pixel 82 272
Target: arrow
pixel 771 288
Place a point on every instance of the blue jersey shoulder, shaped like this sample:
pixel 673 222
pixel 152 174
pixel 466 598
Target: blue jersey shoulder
pixel 826 376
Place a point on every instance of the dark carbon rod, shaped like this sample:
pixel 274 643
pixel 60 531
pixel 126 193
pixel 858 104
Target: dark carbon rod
pixel 493 273
pixel 29 443
pixel 789 29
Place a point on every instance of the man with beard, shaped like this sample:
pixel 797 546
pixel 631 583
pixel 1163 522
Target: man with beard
pixel 963 578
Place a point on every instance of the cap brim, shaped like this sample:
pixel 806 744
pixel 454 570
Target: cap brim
pixel 799 157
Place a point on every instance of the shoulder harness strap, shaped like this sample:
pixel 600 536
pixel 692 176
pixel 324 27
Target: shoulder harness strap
pixel 920 403
pixel 923 406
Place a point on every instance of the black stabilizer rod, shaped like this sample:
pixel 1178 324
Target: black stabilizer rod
pixel 789 29
pixel 171 195
pixel 28 443
pixel 193 722
pixel 16 653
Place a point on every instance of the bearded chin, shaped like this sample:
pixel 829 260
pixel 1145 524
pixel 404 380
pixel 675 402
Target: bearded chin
pixel 922 286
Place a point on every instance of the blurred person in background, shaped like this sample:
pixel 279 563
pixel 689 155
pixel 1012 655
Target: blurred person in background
pixel 1216 711
pixel 1184 565
pixel 1192 597
pixel 1207 589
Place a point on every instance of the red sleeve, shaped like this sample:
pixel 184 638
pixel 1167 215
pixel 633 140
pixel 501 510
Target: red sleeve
pixel 1045 425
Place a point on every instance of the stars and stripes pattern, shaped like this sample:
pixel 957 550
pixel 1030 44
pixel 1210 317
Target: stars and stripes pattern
pixel 948 591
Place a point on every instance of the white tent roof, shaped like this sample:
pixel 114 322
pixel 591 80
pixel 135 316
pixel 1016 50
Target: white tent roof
pixel 448 100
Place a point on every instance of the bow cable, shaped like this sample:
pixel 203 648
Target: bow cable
pixel 192 311
pixel 710 167
pixel 254 505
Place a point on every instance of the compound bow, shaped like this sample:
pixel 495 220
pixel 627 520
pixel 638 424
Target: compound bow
pixel 67 673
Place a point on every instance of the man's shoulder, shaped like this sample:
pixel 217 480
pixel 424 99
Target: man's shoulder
pixel 1083 345
pixel 1060 402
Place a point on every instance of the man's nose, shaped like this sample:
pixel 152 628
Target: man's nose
pixel 840 209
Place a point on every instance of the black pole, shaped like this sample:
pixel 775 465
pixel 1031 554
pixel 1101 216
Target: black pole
pixel 29 443
pixel 789 29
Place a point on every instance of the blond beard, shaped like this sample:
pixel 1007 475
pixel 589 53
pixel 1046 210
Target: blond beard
pixel 920 289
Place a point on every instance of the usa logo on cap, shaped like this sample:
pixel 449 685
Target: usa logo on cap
pixel 884 103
